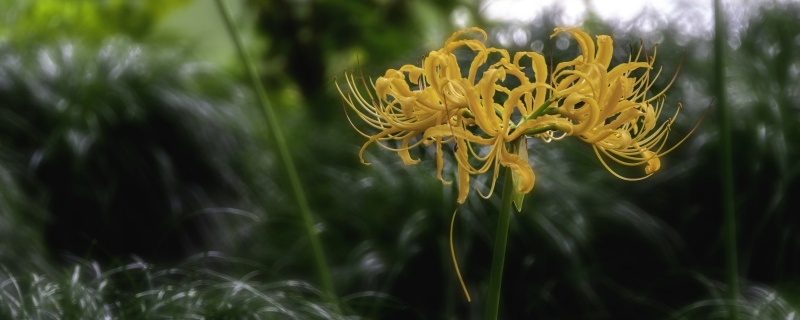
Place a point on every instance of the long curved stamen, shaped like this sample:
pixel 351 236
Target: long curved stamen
pixel 453 255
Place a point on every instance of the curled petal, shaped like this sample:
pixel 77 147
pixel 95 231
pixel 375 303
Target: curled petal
pixel 605 50
pixel 653 163
pixel 463 176
pixel 583 39
pixel 459 133
pixel 521 169
pixel 405 155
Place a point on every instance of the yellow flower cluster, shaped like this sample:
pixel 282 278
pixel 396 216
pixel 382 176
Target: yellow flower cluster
pixel 486 110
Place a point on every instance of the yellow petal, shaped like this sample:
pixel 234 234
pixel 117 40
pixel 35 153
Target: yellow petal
pixel 584 41
pixel 445 130
pixel 521 147
pixel 605 50
pixel 520 168
pixel 404 154
pixel 653 163
pixel 440 161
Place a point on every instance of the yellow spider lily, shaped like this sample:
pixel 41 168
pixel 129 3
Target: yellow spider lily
pixel 440 104
pixel 610 108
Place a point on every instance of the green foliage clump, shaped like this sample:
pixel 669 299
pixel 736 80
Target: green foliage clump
pixel 44 20
pixel 307 41
pixel 128 150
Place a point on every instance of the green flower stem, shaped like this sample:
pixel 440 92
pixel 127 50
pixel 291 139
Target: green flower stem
pixel 541 109
pixel 323 272
pixel 499 254
pixel 467 114
pixel 535 131
pixel 726 167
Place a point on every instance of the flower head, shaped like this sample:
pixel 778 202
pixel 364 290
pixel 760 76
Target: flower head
pixel 438 104
pixel 611 109
pixel 476 111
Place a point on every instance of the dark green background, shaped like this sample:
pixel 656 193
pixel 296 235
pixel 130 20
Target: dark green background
pixel 138 179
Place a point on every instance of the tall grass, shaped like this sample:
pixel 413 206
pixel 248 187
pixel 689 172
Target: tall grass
pixel 140 291
pixel 726 154
pixel 320 261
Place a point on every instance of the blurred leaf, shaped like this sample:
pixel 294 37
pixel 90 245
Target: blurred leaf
pixel 305 37
pixel 41 20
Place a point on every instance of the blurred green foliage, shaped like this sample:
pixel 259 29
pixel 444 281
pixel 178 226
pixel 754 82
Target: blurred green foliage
pixel 307 41
pixel 127 149
pixel 112 149
pixel 43 20
pixel 139 291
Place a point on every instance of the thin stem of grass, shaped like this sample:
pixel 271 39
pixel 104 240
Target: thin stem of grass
pixel 726 165
pixel 320 262
pixel 499 253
